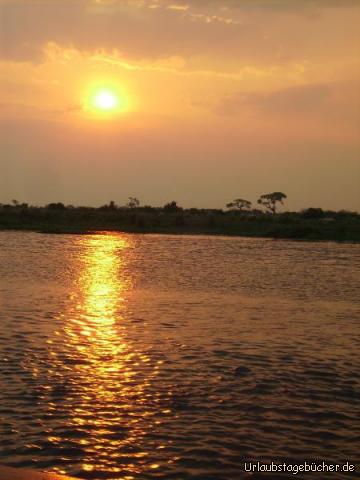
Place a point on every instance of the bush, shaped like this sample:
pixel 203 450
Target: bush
pixel 313 213
pixel 171 207
pixel 56 206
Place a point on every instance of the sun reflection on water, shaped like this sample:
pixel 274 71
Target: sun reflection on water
pixel 106 377
pixel 100 303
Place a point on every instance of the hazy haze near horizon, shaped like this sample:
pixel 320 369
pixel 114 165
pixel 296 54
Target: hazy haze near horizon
pixel 224 99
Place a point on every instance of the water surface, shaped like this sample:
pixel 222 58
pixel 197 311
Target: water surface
pixel 148 356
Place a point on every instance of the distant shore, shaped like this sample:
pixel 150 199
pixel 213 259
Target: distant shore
pixel 311 224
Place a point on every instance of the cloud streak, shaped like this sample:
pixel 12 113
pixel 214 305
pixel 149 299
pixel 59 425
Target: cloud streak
pixel 292 100
pixel 252 30
pixel 269 4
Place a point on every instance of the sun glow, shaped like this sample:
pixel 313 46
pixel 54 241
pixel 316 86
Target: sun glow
pixel 105 101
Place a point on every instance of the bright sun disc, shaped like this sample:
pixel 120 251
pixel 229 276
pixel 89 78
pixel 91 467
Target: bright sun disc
pixel 105 100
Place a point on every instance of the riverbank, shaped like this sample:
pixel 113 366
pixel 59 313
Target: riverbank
pixel 308 225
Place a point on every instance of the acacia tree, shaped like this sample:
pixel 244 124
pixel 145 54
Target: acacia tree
pixel 133 202
pixel 239 204
pixel 270 200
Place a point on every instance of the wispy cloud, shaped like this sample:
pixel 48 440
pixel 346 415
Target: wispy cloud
pixel 272 4
pixel 298 99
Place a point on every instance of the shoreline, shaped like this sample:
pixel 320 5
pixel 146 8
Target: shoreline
pixel 309 225
pixel 183 232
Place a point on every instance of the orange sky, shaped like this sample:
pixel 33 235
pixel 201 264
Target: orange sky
pixel 218 99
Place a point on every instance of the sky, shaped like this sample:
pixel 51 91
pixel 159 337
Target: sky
pixel 197 101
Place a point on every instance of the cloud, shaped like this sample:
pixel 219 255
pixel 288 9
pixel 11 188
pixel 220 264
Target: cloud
pixel 270 4
pixel 132 28
pixel 299 99
pixel 250 30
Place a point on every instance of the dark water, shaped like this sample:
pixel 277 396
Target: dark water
pixel 144 357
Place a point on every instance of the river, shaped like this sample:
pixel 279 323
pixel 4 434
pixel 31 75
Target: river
pixel 177 357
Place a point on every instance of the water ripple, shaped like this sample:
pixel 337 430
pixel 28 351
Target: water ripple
pixel 145 356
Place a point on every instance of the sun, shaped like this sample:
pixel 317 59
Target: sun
pixel 105 100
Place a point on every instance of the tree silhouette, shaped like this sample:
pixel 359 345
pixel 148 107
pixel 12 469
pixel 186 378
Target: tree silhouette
pixel 270 200
pixel 56 206
pixel 239 204
pixel 133 202
pixel 171 207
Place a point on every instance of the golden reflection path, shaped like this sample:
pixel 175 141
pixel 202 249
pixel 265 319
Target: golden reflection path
pixel 108 377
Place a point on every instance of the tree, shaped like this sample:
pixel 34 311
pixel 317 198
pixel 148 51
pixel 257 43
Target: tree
pixel 239 204
pixel 56 206
pixel 110 206
pixel 171 207
pixel 133 202
pixel 270 200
